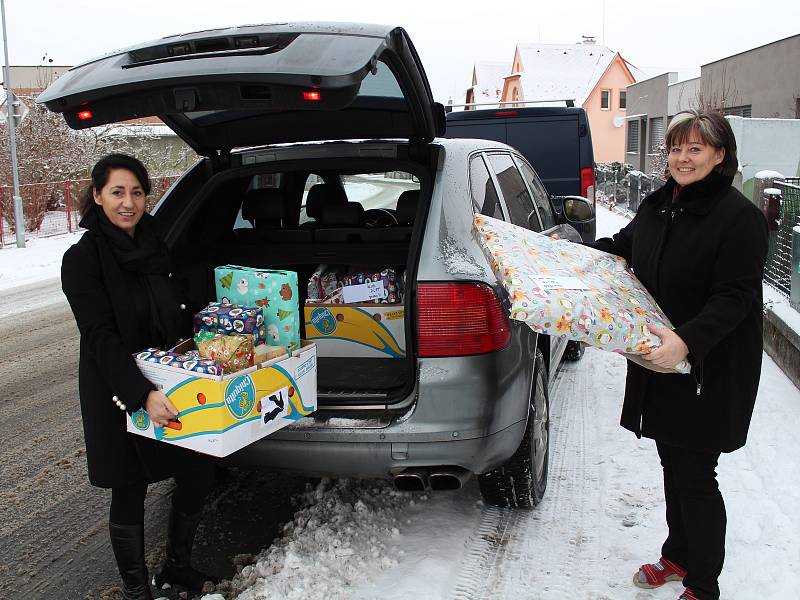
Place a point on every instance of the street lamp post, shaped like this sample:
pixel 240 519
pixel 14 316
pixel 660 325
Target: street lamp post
pixel 19 219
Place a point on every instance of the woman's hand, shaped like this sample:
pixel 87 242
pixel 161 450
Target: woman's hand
pixel 554 236
pixel 160 408
pixel 671 351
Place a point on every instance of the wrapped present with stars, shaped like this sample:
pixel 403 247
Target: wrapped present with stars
pixel 564 289
pixel 273 291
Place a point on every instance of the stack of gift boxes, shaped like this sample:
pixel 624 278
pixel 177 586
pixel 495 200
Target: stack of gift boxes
pixel 356 312
pixel 244 374
pixel 255 319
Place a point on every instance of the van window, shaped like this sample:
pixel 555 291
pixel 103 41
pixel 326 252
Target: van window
pixel 518 201
pixel 540 195
pixel 484 196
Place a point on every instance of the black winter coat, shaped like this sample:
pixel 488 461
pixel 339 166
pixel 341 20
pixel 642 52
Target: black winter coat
pixel 702 258
pixel 103 299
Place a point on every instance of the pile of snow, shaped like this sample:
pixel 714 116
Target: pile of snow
pixel 40 259
pixel 342 533
pixel 766 174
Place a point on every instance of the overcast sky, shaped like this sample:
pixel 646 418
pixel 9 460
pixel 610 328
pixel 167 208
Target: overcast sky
pixel 655 36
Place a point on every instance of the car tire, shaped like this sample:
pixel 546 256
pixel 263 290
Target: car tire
pixel 521 481
pixel 574 351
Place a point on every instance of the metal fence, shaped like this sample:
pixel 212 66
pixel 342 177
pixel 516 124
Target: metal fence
pixel 623 188
pixel 52 208
pixel 783 214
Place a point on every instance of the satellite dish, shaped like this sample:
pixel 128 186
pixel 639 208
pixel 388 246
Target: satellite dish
pixel 619 121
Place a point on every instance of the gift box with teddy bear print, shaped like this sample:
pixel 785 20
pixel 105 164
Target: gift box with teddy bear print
pixel 274 291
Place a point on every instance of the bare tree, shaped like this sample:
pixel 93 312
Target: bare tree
pixel 717 94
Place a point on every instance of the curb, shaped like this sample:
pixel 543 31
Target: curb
pixel 782 344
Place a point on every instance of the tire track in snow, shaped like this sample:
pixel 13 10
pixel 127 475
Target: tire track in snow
pixel 500 561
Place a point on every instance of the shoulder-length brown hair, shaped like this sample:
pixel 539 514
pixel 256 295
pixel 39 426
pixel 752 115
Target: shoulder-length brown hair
pixel 713 129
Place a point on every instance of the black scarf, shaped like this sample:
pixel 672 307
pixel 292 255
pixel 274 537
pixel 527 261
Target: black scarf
pixel 146 256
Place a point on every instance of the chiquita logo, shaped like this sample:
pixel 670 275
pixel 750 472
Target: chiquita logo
pixel 240 396
pixel 323 320
pixel 140 419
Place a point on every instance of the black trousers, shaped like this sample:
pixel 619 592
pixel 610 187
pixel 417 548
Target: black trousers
pixel 191 489
pixel 695 517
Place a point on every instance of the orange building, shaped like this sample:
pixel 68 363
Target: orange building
pixel 591 75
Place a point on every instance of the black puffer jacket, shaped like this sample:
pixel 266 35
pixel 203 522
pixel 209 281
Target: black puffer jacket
pixel 702 258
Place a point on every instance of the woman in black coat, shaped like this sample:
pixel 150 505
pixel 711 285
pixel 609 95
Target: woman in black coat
pixel 699 248
pixel 119 282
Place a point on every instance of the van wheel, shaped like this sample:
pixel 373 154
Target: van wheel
pixel 574 351
pixel 520 482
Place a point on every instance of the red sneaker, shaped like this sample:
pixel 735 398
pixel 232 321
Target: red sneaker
pixel 688 595
pixel 657 574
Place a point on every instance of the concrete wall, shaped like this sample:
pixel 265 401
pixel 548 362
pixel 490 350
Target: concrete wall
pixel 608 139
pixel 647 99
pixel 766 144
pixel 682 95
pixel 767 78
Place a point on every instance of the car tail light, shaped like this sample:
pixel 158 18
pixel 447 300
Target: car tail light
pixel 459 318
pixel 85 115
pixel 587 184
pixel 313 96
pixel 506 113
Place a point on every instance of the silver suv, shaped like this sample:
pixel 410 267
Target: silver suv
pixel 466 391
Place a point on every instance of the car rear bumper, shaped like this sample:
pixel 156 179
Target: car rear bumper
pixel 379 459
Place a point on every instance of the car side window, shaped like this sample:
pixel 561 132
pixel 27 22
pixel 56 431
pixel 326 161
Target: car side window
pixel 540 195
pixel 484 195
pixel 518 200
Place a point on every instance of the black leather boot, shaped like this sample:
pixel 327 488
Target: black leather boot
pixel 177 570
pixel 128 544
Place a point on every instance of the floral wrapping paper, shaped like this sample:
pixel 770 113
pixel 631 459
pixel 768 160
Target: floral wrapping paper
pixel 191 361
pixel 560 288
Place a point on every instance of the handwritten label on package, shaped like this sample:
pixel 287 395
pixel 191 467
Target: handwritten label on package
pixel 560 283
pixel 363 292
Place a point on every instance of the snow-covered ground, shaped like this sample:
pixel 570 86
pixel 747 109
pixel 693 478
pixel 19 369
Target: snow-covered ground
pixel 602 515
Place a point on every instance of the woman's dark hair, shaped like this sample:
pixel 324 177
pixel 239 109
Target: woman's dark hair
pixel 101 171
pixel 713 129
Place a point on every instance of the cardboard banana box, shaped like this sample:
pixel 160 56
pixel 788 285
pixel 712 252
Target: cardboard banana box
pixel 219 415
pixel 357 330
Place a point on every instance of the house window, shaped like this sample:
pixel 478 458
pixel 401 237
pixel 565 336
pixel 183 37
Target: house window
pixel 605 99
pixel 656 134
pixel 739 111
pixel 623 99
pixel 633 136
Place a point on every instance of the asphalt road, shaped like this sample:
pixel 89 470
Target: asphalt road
pixel 53 524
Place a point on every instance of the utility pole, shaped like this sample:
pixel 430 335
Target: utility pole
pixel 19 218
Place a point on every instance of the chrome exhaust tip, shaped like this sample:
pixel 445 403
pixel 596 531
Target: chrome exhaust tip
pixel 450 478
pixel 410 480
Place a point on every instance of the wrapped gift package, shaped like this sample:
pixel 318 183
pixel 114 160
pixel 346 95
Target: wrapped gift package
pixel 561 288
pixel 190 360
pixel 357 330
pixel 274 291
pixel 220 414
pixel 232 318
pixel 233 351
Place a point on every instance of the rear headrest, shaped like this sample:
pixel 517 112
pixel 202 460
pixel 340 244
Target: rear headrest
pixel 265 205
pixel 407 207
pixel 350 214
pixel 322 194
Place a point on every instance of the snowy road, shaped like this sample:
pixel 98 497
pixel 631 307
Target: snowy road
pixel 602 516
